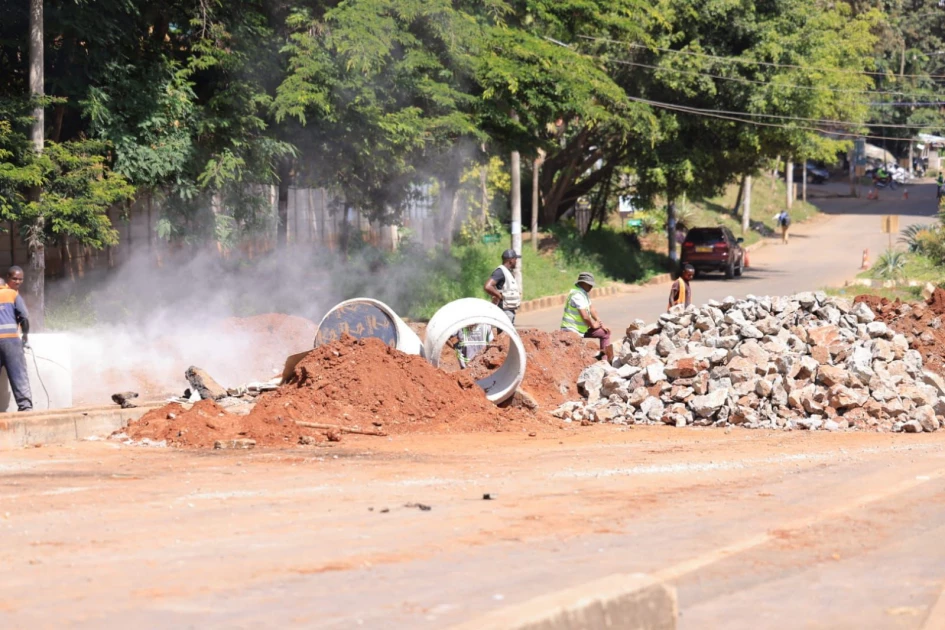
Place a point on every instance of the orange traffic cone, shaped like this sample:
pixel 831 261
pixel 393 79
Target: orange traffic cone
pixel 746 262
pixel 866 259
pixel 905 194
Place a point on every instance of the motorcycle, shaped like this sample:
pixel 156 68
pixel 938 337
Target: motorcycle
pixel 883 182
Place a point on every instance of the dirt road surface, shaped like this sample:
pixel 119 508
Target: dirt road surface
pixel 756 530
pixel 824 252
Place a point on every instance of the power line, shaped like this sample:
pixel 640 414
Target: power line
pixel 820 121
pixel 756 62
pixel 708 113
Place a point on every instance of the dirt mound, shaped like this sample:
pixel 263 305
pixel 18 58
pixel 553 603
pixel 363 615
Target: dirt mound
pixel 921 323
pixel 206 422
pixel 364 383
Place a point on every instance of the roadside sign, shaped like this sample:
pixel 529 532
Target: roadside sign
pixel 890 223
pixel 490 238
pixel 634 223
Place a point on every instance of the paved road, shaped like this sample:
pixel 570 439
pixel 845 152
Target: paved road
pixel 756 529
pixel 826 252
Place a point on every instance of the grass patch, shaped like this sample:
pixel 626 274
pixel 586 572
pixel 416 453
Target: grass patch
pixel 906 294
pixel 607 253
pixel 917 267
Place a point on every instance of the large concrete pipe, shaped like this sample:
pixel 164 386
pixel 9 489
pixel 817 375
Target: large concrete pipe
pixel 49 365
pixel 364 317
pixel 447 321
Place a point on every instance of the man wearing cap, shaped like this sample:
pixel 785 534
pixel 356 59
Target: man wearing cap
pixel 502 287
pixel 13 318
pixel 580 317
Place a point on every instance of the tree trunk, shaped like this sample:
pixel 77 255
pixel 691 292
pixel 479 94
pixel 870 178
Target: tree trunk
pixel 35 282
pixel 789 181
pixel 746 206
pixel 536 169
pixel 852 161
pixel 449 201
pixel 741 193
pixel 282 230
pixel 517 212
pixel 804 182
pixel 671 232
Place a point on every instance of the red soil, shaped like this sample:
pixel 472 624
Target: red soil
pixel 923 324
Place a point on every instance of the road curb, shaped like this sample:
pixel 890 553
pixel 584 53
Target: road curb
pixel 628 602
pixel 936 617
pixel 31 428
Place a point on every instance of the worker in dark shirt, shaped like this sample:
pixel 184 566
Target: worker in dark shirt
pixel 502 287
pixel 14 317
pixel 680 293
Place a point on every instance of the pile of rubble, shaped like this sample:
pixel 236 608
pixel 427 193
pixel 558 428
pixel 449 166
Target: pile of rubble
pixel 802 362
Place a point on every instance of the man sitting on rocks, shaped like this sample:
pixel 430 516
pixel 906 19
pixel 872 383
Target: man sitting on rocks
pixel 580 317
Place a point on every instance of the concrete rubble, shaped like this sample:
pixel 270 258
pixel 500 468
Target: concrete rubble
pixel 806 362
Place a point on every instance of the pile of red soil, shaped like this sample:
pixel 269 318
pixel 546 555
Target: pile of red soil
pixel 922 323
pixel 206 422
pixel 553 363
pixel 369 385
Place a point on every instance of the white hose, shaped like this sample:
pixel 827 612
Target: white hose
pixel 40 376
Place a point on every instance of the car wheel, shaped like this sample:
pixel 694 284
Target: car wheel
pixel 741 266
pixel 730 271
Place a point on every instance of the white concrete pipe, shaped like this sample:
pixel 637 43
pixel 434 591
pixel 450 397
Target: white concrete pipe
pixel 501 384
pixel 49 364
pixel 364 317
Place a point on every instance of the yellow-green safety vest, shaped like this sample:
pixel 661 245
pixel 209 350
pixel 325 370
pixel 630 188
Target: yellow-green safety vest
pixel 572 319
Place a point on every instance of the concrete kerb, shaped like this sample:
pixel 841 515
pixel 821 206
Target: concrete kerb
pixel 18 430
pixel 628 602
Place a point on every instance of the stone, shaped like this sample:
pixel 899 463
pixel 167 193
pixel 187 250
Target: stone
pixel 807 368
pixel 806 299
pixel 820 354
pixel 628 370
pixel 741 369
pixel 829 375
pixel 682 367
pixel 831 425
pixel 863 313
pixel 681 394
pixel 241 444
pixel 655 373
pixel 823 335
pixel 652 408
pixel 706 406
pixel 723 384
pixel 925 415
pixel 882 350
pixel 842 397
pixel 700 384
pixel 900 346
pixel 860 363
pixel 763 387
pixel 204 384
pixel 779 395
pixel 750 332
pixel 912 426
pixel 664 346
pixel 877 329
pixel 936 381
pixel 592 377
pixel 753 351
pixel 637 396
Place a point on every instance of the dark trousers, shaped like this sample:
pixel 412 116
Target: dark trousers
pixel 13 358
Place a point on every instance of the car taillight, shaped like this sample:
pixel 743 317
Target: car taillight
pixel 721 246
pixel 687 244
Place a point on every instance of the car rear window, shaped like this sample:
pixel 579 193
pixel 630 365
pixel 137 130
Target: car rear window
pixel 704 236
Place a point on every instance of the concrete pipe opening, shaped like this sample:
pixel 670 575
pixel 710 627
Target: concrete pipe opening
pixel 362 318
pixel 501 384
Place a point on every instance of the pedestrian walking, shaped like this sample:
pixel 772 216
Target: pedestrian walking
pixel 784 222
pixel 581 317
pixel 503 288
pixel 13 318
pixel 679 292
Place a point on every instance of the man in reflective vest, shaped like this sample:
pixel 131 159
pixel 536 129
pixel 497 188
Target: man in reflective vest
pixel 13 316
pixel 471 341
pixel 580 317
pixel 680 293
pixel 502 287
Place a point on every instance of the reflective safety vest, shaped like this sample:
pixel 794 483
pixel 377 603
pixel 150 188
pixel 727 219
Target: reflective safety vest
pixel 572 319
pixel 9 327
pixel 472 341
pixel 681 296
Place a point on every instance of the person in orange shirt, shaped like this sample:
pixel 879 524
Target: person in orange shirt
pixel 13 318
pixel 680 293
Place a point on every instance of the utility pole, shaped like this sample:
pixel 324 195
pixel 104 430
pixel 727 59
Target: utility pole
pixel 536 168
pixel 36 269
pixel 746 206
pixel 804 181
pixel 671 233
pixel 517 213
pixel 852 161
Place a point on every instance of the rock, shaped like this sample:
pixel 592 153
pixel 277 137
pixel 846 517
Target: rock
pixel 860 363
pixel 608 414
pixel 652 408
pixel 925 415
pixel 831 425
pixel 753 351
pixel 204 384
pixel 655 373
pixel 750 332
pixel 936 381
pixel 706 406
pixel 806 299
pixel 829 375
pixel 877 329
pixel 665 346
pixel 741 369
pixel 681 394
pixel 682 367
pixel 823 335
pixel 235 444
pixel 863 313
pixel 807 368
pixel 912 426
pixel 637 396
pixel 124 399
pixel 842 397
pixel 762 387
pixel 900 346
